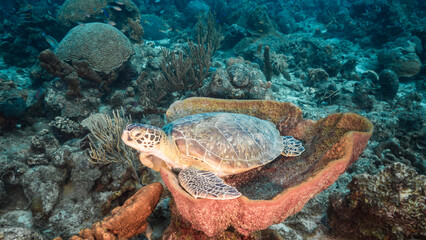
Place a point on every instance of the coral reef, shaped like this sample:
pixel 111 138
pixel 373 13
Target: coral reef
pixel 19 233
pixel 402 57
pixel 22 38
pixel 316 77
pixel 57 103
pixel 239 80
pixel 325 56
pixel 272 193
pixel 389 83
pixel 389 205
pixel 57 67
pixel 65 129
pixel 12 101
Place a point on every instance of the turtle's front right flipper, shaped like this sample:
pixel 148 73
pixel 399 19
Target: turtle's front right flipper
pixel 205 184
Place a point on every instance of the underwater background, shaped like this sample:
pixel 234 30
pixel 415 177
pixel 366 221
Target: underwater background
pixel 74 73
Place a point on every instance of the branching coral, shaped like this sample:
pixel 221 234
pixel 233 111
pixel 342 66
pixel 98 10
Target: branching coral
pixel 200 54
pixel 273 62
pixel 105 141
pixel 186 70
pixel 151 91
pixel 209 29
pixel 175 68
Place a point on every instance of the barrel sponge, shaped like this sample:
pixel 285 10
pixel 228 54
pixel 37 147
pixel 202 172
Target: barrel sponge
pixel 104 47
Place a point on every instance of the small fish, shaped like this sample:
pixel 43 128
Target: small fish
pixel 40 93
pixel 80 23
pixel 86 14
pixel 119 3
pixel 49 39
pixel 112 23
pixel 25 15
pixel 25 12
pixel 24 9
pixel 165 31
pixel 116 8
pixel 105 13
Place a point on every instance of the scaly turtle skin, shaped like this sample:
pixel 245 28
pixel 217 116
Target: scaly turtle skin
pixel 209 145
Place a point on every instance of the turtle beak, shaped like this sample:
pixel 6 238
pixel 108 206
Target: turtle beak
pixel 125 136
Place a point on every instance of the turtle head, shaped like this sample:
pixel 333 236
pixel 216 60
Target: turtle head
pixel 142 137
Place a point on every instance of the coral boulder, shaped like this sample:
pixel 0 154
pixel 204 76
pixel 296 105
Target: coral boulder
pixel 104 47
pixel 389 205
pixel 124 15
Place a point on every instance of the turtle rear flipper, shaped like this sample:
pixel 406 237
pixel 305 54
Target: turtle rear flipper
pixel 292 147
pixel 205 184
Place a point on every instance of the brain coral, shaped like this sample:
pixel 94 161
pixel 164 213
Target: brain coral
pixel 126 19
pixel 76 10
pixel 73 11
pixel 104 47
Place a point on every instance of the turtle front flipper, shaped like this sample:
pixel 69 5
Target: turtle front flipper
pixel 292 147
pixel 205 184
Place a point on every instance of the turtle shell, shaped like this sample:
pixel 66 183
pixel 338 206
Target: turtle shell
pixel 228 142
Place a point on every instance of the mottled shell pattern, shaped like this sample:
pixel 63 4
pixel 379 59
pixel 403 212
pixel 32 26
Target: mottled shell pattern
pixel 228 142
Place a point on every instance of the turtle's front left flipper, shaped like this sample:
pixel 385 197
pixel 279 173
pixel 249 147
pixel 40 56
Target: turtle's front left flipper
pixel 205 184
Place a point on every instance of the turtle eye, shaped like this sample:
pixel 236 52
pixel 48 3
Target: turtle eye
pixel 135 134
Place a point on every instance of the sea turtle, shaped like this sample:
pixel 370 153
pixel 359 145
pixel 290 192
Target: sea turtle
pixel 207 146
